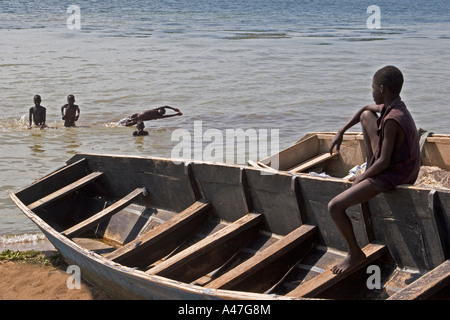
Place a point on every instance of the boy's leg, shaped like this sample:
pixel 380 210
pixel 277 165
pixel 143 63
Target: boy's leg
pixel 359 193
pixel 369 129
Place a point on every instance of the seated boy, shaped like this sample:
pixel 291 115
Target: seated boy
pixel 37 113
pixel 139 118
pixel 393 156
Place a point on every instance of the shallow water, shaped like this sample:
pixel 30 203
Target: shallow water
pixel 291 66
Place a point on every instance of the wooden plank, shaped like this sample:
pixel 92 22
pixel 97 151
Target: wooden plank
pixel 262 259
pixel 426 285
pixel 205 245
pixel 103 215
pixel 53 181
pixel 312 162
pixel 302 150
pixel 64 191
pixel 327 278
pixel 160 241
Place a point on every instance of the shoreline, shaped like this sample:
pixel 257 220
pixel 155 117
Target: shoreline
pixel 42 277
pixel 43 245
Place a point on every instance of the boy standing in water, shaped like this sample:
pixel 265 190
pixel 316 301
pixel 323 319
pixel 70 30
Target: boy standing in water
pixel 139 118
pixel 70 112
pixel 393 156
pixel 37 113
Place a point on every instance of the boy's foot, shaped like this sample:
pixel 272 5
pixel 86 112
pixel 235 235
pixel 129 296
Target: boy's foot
pixel 349 263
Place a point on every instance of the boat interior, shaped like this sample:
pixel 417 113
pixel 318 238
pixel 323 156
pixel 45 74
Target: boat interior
pixel 248 229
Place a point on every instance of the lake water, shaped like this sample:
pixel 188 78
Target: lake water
pixel 288 67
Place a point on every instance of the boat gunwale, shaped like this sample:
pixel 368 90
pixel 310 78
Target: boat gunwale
pixel 432 138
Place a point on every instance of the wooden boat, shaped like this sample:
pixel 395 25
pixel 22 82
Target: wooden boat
pixel 150 228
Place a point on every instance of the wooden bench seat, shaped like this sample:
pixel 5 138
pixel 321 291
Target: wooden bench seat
pixel 426 285
pixel 65 190
pixel 262 259
pixel 160 241
pixel 103 215
pixel 312 162
pixel 222 237
pixel 327 278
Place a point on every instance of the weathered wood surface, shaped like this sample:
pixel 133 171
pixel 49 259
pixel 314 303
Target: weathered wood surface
pixel 223 236
pixel 103 215
pixel 327 278
pixel 312 162
pixel 426 285
pixel 262 259
pixel 407 224
pixel 54 181
pixel 65 190
pixel 167 182
pixel 161 240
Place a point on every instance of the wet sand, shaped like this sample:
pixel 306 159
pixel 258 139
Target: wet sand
pixel 21 280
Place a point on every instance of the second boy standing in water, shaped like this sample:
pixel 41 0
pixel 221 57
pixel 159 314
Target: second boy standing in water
pixel 70 112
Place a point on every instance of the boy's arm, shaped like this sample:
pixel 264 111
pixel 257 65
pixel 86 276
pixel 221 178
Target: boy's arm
pixel 78 113
pixel 62 111
pixel 391 131
pixel 30 117
pixel 174 109
pixel 337 140
pixel 172 115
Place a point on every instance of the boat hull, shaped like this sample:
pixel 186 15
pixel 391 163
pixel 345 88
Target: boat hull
pixel 195 230
pixel 121 282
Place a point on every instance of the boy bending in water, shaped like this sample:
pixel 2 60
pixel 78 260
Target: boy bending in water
pixel 139 118
pixel 393 156
pixel 37 113
pixel 70 112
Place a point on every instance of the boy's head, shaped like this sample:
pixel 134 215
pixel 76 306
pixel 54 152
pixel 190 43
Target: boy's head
pixel 390 78
pixel 37 99
pixel 70 98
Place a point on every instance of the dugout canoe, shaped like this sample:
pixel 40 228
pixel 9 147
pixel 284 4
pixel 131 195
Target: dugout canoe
pixel 153 228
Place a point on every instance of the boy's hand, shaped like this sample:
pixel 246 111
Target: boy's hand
pixel 336 142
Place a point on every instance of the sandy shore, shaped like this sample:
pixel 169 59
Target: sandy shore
pixel 21 280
